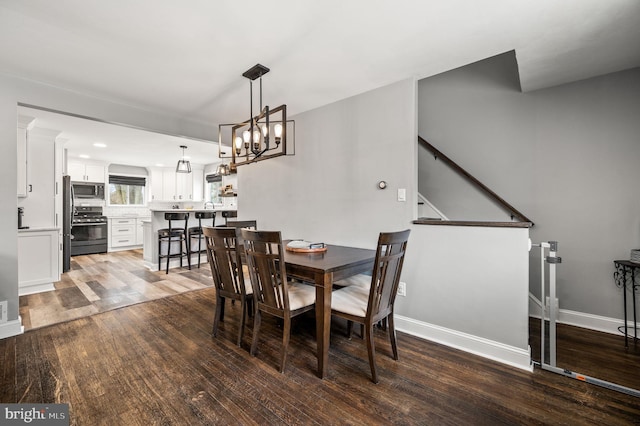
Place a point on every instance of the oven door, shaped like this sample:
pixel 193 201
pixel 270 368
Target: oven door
pixel 88 238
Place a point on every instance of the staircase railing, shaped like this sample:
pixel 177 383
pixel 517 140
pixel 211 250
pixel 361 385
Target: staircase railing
pixel 438 154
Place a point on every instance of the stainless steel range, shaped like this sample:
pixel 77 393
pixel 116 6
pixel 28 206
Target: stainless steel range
pixel 89 230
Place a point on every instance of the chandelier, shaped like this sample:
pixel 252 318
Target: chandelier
pixel 262 136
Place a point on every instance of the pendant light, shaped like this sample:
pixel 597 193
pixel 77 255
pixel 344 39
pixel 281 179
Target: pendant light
pixel 184 166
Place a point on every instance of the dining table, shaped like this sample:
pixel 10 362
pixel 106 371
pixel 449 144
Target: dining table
pixel 323 269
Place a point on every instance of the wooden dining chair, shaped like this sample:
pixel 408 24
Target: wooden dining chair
pixel 228 274
pixel 273 293
pixel 372 304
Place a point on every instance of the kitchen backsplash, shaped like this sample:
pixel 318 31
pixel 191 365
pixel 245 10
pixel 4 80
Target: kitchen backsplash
pixel 111 211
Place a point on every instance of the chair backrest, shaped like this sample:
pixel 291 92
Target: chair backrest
pixel 173 216
pixel 249 224
pixel 264 254
pixel 226 214
pixel 224 260
pixel 386 273
pixel 206 215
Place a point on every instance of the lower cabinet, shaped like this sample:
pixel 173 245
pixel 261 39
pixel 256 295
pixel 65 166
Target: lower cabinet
pixel 125 233
pixel 38 260
pixel 122 232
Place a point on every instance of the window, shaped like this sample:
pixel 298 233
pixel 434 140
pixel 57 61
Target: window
pixel 126 190
pixel 214 186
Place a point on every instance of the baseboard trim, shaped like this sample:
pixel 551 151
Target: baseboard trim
pixel 581 319
pixel 35 288
pixel 495 351
pixel 11 328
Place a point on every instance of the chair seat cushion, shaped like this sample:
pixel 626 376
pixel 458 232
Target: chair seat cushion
pixel 360 280
pixel 301 295
pixel 351 300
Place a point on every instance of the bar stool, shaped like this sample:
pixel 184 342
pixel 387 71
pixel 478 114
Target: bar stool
pixel 226 214
pixel 196 232
pixel 174 234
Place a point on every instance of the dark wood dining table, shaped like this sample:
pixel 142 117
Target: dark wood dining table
pixel 323 269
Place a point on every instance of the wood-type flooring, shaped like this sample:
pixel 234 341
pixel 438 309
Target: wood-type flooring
pixel 157 363
pixel 101 282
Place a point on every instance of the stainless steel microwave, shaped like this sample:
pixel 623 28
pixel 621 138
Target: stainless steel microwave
pixel 85 190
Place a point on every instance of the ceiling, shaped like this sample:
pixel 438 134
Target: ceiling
pixel 186 58
pixel 123 145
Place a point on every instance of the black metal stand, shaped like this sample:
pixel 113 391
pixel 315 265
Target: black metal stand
pixel 627 271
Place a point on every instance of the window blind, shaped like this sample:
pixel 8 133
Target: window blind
pixel 127 180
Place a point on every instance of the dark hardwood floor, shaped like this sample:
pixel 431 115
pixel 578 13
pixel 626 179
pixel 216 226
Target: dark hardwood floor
pixel 592 353
pixel 157 363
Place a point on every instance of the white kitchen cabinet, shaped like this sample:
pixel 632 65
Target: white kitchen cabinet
pixel 167 185
pixel 184 186
pixel 122 232
pixel 155 187
pixel 38 252
pixel 85 172
pixel 24 125
pixel 40 207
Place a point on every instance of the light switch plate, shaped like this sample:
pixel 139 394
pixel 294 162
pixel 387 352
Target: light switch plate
pixel 402 194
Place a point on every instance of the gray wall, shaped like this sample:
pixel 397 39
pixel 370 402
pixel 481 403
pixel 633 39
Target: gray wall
pixel 13 91
pixel 567 157
pixel 328 191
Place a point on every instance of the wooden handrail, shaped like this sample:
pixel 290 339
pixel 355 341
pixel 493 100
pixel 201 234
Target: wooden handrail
pixel 514 212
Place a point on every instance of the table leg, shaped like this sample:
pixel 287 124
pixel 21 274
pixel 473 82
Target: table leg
pixel 324 284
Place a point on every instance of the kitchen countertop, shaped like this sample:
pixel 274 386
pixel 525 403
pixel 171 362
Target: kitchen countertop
pixel 191 210
pixel 45 229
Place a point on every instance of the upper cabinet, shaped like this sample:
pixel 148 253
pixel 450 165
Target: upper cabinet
pixel 24 125
pixel 86 172
pixel 167 185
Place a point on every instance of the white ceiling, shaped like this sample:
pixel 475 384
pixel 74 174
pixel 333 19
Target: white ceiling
pixel 186 58
pixel 124 145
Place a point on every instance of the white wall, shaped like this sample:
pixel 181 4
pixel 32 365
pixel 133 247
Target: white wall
pixel 13 91
pixel 567 157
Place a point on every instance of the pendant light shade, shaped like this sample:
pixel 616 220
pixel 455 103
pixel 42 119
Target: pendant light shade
pixel 184 166
pixel 223 169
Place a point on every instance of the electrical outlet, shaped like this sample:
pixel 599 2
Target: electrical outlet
pixel 402 289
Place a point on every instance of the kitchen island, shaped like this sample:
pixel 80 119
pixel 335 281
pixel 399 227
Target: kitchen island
pixel 157 221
